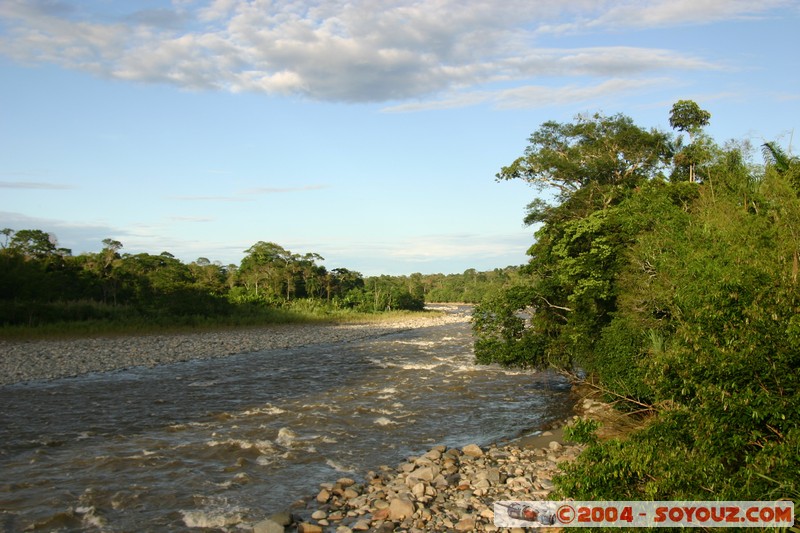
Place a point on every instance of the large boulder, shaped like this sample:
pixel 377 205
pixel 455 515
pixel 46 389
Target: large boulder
pixel 400 508
pixel 472 450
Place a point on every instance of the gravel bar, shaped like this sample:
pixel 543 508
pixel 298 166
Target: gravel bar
pixel 22 361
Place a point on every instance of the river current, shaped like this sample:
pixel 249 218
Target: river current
pixel 220 442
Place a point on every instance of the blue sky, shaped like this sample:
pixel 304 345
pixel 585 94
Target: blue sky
pixel 367 132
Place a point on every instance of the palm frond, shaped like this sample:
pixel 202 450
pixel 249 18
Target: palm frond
pixel 774 155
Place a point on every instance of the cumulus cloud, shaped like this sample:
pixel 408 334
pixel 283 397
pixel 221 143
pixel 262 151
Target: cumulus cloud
pixel 352 51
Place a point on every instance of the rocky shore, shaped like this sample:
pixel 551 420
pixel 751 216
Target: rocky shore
pixel 442 490
pixel 22 361
pixel 445 489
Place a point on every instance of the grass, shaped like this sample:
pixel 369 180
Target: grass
pixel 134 324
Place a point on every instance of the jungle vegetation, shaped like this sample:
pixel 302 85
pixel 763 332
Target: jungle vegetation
pixel 667 272
pixel 45 288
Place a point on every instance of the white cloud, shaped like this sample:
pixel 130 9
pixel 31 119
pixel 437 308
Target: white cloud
pixel 536 96
pixel 191 219
pixel 35 185
pixel 79 237
pixel 463 246
pixel 353 51
pixel 664 13
pixel 279 190
pixel 431 253
pixel 211 198
pixel 245 195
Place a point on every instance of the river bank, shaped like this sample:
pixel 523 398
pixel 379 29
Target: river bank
pixel 53 359
pixel 445 489
pixel 220 444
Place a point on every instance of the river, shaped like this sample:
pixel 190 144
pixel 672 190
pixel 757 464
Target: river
pixel 219 442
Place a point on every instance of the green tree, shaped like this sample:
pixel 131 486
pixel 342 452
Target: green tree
pixel 606 155
pixel 313 275
pixel 209 277
pixel 278 273
pixel 594 165
pixel 263 269
pixel 340 283
pixel 783 163
pixel 679 298
pixel 33 243
pixel 107 260
pixel 687 116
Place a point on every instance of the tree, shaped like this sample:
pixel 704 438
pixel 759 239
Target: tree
pixel 595 164
pixel 783 163
pixel 284 273
pixel 611 152
pixel 33 243
pixel 786 212
pixel 208 277
pixel 265 265
pixel 687 116
pixel 8 232
pixel 108 256
pixel 339 282
pixel 313 275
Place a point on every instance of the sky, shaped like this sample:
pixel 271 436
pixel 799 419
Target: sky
pixel 369 132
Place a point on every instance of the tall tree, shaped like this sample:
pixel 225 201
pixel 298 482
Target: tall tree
pixel 687 116
pixel 593 164
pixel 33 243
pixel 606 155
pixel 108 257
pixel 261 268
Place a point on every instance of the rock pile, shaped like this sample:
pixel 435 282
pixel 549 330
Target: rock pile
pixel 442 490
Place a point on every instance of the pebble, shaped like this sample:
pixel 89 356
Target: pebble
pixel 415 496
pixel 52 359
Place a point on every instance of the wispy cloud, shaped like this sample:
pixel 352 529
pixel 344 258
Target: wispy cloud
pixel 534 96
pixel 247 195
pixel 280 190
pixel 77 236
pixel 36 185
pixel 357 51
pixel 191 219
pixel 210 198
pixel 459 246
pixel 668 13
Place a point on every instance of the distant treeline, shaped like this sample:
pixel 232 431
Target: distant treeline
pixel 42 283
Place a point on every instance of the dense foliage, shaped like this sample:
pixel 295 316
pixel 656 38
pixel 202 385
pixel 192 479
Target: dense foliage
pixel 679 296
pixel 470 287
pixel 41 283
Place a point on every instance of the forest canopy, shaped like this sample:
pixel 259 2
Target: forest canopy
pixel 667 272
pixel 43 283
